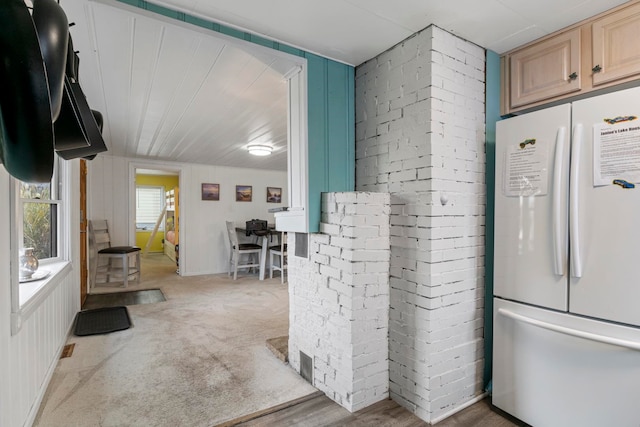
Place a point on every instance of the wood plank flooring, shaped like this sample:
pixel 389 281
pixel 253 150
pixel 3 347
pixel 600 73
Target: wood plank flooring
pixel 320 411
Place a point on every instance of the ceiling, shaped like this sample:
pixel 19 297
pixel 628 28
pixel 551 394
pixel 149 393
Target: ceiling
pixel 172 91
pixel 354 31
pixel 169 91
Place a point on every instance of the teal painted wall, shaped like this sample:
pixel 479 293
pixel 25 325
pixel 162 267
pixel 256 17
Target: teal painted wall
pixel 492 115
pixel 331 111
pixel 331 131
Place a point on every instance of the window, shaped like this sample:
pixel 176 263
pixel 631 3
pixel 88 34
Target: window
pixel 149 206
pixel 41 214
pixel 39 225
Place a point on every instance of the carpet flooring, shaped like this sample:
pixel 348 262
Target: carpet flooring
pixel 197 359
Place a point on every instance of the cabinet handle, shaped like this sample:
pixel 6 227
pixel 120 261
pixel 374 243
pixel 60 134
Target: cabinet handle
pixel 573 76
pixel 596 69
pixel 631 345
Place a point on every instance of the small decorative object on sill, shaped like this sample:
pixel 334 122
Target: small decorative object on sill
pixel 28 263
pixel 38 275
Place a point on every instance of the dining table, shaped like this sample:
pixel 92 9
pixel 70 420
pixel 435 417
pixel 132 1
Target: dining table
pixel 264 235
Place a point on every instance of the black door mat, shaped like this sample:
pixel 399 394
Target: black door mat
pixel 102 321
pixel 115 299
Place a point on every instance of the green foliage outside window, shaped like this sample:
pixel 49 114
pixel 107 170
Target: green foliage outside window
pixel 38 218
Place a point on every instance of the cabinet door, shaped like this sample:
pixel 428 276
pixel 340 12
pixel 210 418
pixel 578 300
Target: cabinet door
pixel 616 53
pixel 546 69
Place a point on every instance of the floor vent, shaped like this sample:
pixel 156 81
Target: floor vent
pixel 306 368
pixel 67 351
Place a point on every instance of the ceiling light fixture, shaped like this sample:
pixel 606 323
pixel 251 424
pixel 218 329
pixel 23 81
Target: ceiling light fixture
pixel 259 149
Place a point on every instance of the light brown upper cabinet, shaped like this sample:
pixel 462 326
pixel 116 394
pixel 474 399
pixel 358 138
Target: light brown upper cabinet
pixel 596 53
pixel 616 45
pixel 546 69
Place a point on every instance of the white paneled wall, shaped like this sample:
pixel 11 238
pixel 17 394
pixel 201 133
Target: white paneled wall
pixel 204 246
pixel 27 359
pixel 5 301
pixel 108 195
pixel 420 136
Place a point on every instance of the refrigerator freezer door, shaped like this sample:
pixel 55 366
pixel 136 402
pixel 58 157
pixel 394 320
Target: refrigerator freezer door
pixel 555 369
pixel 530 257
pixel 607 224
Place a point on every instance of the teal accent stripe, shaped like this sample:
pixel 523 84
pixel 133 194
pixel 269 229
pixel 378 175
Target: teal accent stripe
pixel 331 111
pixel 263 42
pixel 492 115
pixel 199 22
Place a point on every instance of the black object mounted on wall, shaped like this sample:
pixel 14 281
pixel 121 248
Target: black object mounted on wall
pixel 26 127
pixel 78 133
pixel 52 28
pixel 39 75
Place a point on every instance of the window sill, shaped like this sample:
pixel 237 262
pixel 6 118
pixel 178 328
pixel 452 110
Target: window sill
pixel 294 220
pixel 32 294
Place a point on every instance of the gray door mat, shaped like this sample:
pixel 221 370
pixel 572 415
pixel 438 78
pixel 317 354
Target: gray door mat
pixel 147 296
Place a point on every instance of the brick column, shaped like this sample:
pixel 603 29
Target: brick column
pixel 420 137
pixel 340 300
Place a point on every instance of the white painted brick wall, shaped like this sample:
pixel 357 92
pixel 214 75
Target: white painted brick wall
pixel 339 299
pixel 420 136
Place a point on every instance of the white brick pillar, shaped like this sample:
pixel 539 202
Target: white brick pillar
pixel 420 137
pixel 339 299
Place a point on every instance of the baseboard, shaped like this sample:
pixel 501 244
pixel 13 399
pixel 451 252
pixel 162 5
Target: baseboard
pixel 459 408
pixel 35 407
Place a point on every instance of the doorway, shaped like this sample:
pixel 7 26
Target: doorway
pixel 157 214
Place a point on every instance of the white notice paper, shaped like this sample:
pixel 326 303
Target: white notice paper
pixel 616 152
pixel 526 170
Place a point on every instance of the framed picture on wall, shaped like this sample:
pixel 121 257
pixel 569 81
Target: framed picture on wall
pixel 244 193
pixel 274 195
pixel 210 191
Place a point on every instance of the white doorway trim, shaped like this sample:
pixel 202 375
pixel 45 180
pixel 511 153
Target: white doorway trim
pixel 169 168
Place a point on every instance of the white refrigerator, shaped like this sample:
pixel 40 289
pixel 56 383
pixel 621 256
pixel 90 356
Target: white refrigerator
pixel 566 346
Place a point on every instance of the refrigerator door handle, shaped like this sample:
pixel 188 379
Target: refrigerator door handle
pixel 632 345
pixel 574 226
pixel 558 230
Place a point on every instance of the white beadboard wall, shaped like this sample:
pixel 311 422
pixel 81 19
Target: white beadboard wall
pixel 204 246
pixel 28 358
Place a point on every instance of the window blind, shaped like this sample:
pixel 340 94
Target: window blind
pixel 149 204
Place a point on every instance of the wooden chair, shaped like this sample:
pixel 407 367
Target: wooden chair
pixel 279 251
pixel 237 249
pixel 100 240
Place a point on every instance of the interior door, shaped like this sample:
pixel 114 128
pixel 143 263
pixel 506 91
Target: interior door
pixel 83 231
pixel 532 162
pixel 606 231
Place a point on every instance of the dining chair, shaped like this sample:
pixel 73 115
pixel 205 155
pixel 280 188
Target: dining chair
pixel 279 251
pixel 100 240
pixel 238 249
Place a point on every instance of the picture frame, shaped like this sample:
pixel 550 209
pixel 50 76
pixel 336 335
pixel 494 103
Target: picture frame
pixel 210 191
pixel 274 195
pixel 244 193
